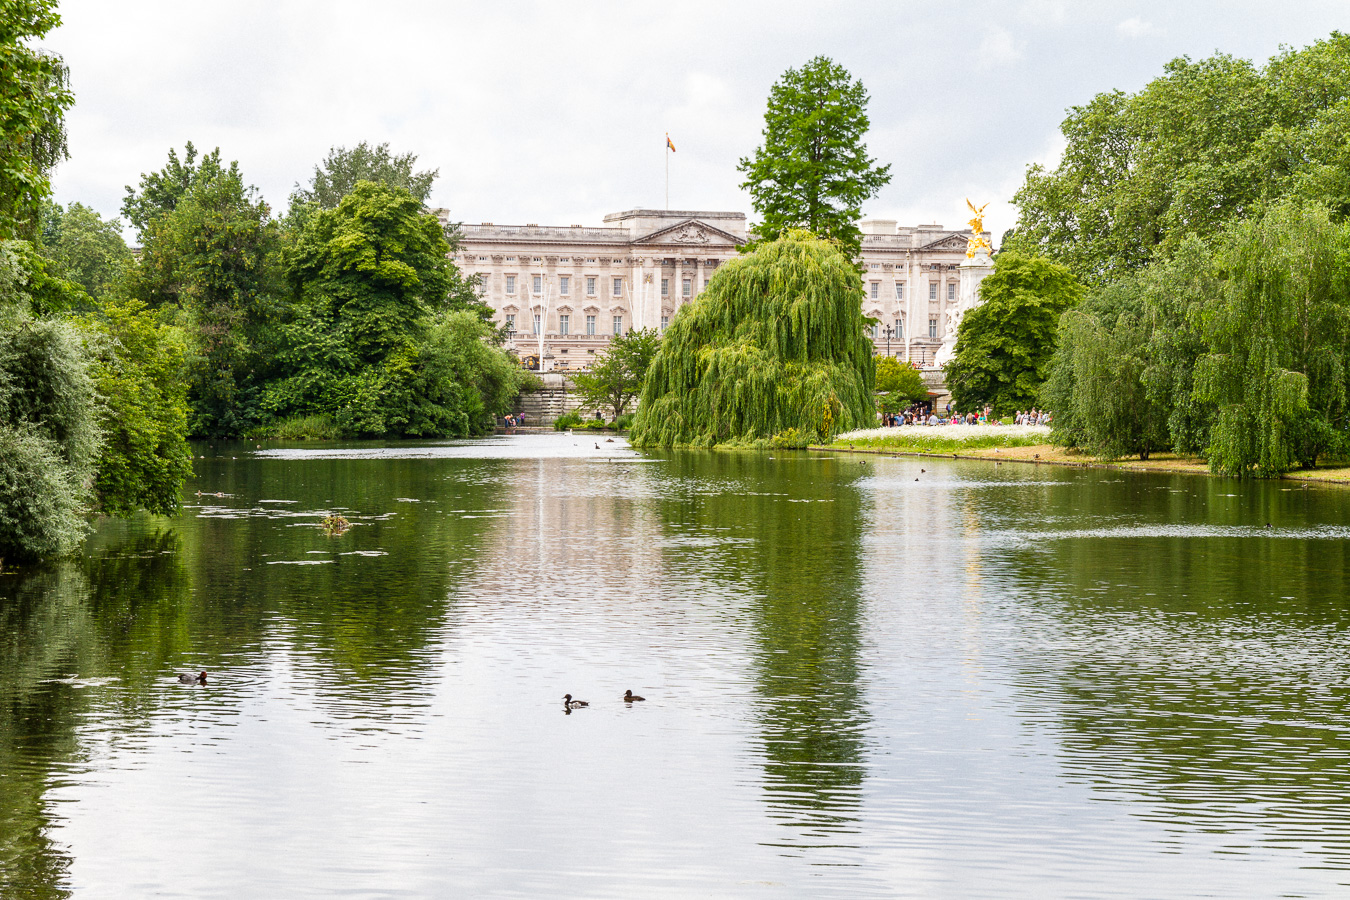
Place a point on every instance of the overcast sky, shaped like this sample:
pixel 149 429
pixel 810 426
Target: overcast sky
pixel 556 113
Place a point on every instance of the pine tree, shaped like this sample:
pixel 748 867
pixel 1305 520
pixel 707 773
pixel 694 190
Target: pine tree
pixel 813 171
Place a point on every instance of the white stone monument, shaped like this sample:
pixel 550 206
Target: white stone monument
pixel 973 270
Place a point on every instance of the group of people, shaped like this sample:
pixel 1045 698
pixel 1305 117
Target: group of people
pixel 513 420
pixel 924 414
pixel 1032 417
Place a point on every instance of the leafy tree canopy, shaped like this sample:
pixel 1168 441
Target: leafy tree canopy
pixel 615 379
pixel 772 352
pixel 1205 144
pixel 162 191
pixel 1004 345
pixel 86 249
pixel 34 96
pixel 813 171
pixel 339 173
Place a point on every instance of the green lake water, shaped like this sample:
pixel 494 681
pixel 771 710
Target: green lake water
pixel 865 676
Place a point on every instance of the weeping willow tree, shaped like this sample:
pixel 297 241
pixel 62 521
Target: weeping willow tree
pixel 1278 366
pixel 773 353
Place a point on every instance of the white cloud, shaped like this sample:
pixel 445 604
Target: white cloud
pixel 1135 27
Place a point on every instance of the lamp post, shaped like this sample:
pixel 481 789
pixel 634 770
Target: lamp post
pixel 889 332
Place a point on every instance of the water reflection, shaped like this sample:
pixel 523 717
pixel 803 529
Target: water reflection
pixel 796 551
pixel 1201 669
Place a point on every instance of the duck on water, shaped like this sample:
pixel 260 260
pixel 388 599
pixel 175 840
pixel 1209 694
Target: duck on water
pixel 569 703
pixel 199 678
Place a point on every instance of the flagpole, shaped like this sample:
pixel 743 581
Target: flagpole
pixel 667 150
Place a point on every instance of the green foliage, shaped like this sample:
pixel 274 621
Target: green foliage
pixel 301 428
pixel 162 191
pixel 84 248
pixel 1206 144
pixel 1278 338
pixel 900 381
pixel 568 420
pixel 774 343
pixel 1097 386
pixel 614 380
pixel 624 422
pixel 344 168
pixel 34 96
pixel 49 437
pixel 208 260
pixel 1004 345
pixel 139 371
pixel 28 282
pixel 812 171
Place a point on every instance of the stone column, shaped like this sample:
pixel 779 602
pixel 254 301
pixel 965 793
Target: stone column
pixel 972 272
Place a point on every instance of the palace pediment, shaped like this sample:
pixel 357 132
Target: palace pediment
pixel 690 233
pixel 950 242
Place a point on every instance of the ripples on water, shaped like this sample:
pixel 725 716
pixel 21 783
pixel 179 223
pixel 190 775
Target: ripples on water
pixel 1012 681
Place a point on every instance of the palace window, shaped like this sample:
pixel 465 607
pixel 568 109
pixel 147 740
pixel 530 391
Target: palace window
pixel 665 323
pixel 590 285
pixel 899 290
pixel 510 321
pixel 951 291
pixel 510 284
pixel 539 284
pixel 875 330
pixel 564 284
pixel 590 324
pixel 932 327
pixel 688 287
pixel 932 290
pixel 618 324
pixel 899 329
pixel 665 287
pixel 483 282
pixel 537 324
pixel 563 323
pixel 876 289
pixel 705 284
pixel 618 287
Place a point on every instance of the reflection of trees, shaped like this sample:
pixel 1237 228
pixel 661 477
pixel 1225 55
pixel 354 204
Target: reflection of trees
pixel 60 622
pixel 359 627
pixel 1205 675
pixel 799 556
pixel 138 605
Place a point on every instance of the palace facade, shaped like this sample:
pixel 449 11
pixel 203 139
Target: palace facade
pixel 564 291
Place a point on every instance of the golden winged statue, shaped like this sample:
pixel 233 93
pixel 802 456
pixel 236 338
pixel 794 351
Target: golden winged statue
pixel 977 240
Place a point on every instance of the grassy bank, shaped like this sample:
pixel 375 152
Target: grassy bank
pixel 960 439
pixel 1031 448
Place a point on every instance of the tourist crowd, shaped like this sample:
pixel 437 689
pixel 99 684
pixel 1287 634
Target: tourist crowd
pixel 922 414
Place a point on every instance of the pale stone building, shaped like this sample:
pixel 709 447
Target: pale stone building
pixel 565 290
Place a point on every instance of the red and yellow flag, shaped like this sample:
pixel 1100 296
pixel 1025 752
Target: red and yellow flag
pixel 669 144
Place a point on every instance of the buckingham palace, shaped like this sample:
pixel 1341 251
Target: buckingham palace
pixel 563 291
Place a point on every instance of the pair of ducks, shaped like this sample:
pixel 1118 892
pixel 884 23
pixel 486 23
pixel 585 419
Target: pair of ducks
pixel 570 704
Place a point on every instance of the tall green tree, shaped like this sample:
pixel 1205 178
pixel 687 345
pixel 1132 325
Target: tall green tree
pixel 615 379
pixel 367 279
pixel 86 249
pixel 209 260
pixel 772 352
pixel 339 173
pixel 161 192
pixel 1004 345
pixel 813 171
pixel 1205 144
pixel 34 96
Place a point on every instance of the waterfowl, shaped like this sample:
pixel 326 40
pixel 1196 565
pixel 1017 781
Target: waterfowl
pixel 569 703
pixel 193 679
pixel 630 697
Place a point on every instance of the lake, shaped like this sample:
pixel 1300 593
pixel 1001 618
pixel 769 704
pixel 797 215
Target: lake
pixel 865 676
